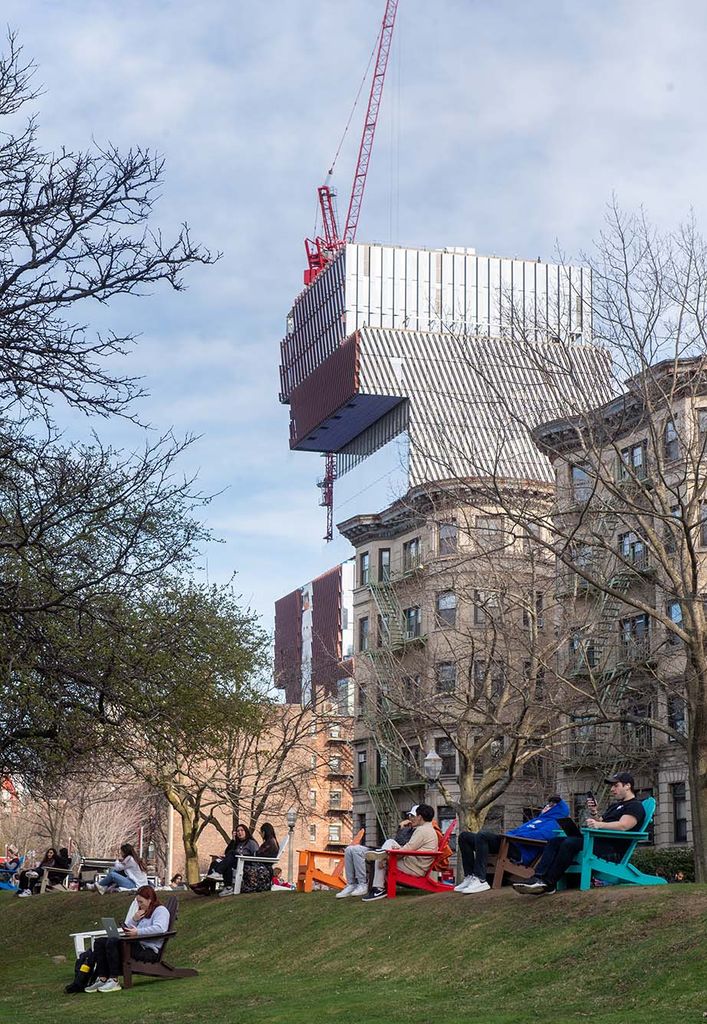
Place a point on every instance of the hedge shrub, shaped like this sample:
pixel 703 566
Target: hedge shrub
pixel 666 862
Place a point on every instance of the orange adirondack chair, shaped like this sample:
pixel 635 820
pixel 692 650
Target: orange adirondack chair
pixel 309 872
pixel 426 882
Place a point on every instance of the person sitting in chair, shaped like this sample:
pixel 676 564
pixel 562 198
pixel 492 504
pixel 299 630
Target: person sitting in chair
pixel 31 879
pixel 624 815
pixel 424 837
pixel 355 858
pixel 128 872
pixel 258 877
pixel 145 921
pixel 476 846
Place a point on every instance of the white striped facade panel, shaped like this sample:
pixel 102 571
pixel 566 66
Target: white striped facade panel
pixel 472 400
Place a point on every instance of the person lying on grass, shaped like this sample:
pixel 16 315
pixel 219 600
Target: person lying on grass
pixel 146 920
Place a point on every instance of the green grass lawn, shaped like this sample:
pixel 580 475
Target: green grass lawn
pixel 607 956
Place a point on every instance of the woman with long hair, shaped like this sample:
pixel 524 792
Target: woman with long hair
pixel 258 877
pixel 128 872
pixel 146 923
pixel 28 878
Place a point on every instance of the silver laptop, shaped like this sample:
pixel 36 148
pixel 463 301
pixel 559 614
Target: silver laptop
pixel 111 928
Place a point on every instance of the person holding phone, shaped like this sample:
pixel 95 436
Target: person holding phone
pixel 625 814
pixel 146 923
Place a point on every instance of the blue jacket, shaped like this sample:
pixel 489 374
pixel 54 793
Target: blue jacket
pixel 542 827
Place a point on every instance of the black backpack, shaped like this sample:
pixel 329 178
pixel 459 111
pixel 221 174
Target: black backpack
pixel 84 972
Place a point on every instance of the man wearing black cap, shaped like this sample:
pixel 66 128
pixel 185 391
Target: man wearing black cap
pixel 624 815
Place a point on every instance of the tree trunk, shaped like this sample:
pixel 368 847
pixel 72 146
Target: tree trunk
pixel 697 761
pixel 190 835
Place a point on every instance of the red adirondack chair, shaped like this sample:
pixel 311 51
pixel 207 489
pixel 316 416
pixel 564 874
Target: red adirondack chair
pixel 427 882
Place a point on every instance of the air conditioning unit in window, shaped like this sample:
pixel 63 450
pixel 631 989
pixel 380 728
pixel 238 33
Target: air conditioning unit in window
pixel 411 634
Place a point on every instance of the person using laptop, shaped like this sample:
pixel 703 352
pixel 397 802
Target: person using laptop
pixel 146 923
pixel 476 846
pixel 625 814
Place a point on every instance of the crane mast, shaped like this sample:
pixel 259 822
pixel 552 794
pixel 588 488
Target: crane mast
pixel 322 249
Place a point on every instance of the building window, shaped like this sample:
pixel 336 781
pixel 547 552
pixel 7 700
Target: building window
pixel 580 483
pixel 671 441
pixel 485 607
pixel 448 752
pixel 362 773
pixel 637 736
pixel 364 569
pixel 677 717
pixel 411 689
pixel 448 538
pixel 411 762
pixel 702 427
pixel 383 631
pixel 489 532
pixel 335 764
pixel 633 464
pixel 312 798
pixel 362 698
pixel 446 673
pixel 538 603
pixel 412 622
pixel 494 818
pixel 679 794
pixel 447 608
pixel 478 674
pixel 582 651
pixel 703 526
pixel 363 637
pixel 583 736
pixel 312 829
pixel 674 612
pixel 335 833
pixel 670 530
pixel 411 554
pixel 635 638
pixel 384 565
pixel 335 799
pixel 312 760
pixel 335 731
pixel 632 548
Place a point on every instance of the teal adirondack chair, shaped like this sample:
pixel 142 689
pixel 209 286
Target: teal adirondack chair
pixel 588 865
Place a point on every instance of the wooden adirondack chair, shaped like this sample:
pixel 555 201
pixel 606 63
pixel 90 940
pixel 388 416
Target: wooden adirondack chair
pixel 426 882
pixel 503 865
pixel 588 865
pixel 309 872
pixel 159 969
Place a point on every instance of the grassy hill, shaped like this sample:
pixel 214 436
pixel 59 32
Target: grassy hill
pixel 608 956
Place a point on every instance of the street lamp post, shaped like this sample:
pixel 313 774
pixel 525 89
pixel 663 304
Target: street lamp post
pixel 432 767
pixel 291 820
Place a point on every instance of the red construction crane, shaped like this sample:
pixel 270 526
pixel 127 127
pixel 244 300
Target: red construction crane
pixel 322 249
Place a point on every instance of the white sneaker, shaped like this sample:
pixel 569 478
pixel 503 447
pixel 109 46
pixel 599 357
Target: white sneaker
pixel 227 891
pixel 361 889
pixel 101 888
pixel 110 986
pixel 476 885
pixel 95 985
pixel 348 890
pixel 466 881
pixel 24 892
pixel 215 876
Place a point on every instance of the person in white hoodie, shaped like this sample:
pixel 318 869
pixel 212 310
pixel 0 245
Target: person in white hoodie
pixel 128 871
pixel 146 923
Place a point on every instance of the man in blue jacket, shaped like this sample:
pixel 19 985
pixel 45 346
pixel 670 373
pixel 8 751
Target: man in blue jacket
pixel 476 846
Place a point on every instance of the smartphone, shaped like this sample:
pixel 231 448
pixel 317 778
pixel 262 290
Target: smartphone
pixel 590 796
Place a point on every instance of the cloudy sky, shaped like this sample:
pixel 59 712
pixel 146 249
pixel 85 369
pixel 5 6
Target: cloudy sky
pixel 506 126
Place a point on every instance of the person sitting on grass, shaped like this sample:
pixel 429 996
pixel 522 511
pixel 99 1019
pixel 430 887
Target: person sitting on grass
pixel 424 837
pixel 177 882
pixel 476 846
pixel 625 815
pixel 128 872
pixel 145 921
